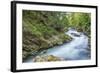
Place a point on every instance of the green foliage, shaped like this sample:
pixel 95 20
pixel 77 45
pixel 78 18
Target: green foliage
pixel 80 21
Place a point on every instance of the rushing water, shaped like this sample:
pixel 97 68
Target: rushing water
pixel 77 49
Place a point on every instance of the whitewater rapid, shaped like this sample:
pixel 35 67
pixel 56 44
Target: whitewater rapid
pixel 74 50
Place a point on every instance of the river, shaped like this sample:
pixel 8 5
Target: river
pixel 76 49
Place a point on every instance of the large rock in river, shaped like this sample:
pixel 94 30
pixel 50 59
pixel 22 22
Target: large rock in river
pixel 46 58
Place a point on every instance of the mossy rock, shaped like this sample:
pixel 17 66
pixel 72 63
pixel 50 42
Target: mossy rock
pixel 46 58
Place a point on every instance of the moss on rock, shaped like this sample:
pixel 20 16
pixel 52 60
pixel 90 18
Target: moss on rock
pixel 46 58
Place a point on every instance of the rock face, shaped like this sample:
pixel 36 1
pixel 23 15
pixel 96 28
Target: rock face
pixel 46 58
pixel 32 44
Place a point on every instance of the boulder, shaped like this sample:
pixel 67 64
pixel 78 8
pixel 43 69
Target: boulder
pixel 46 58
